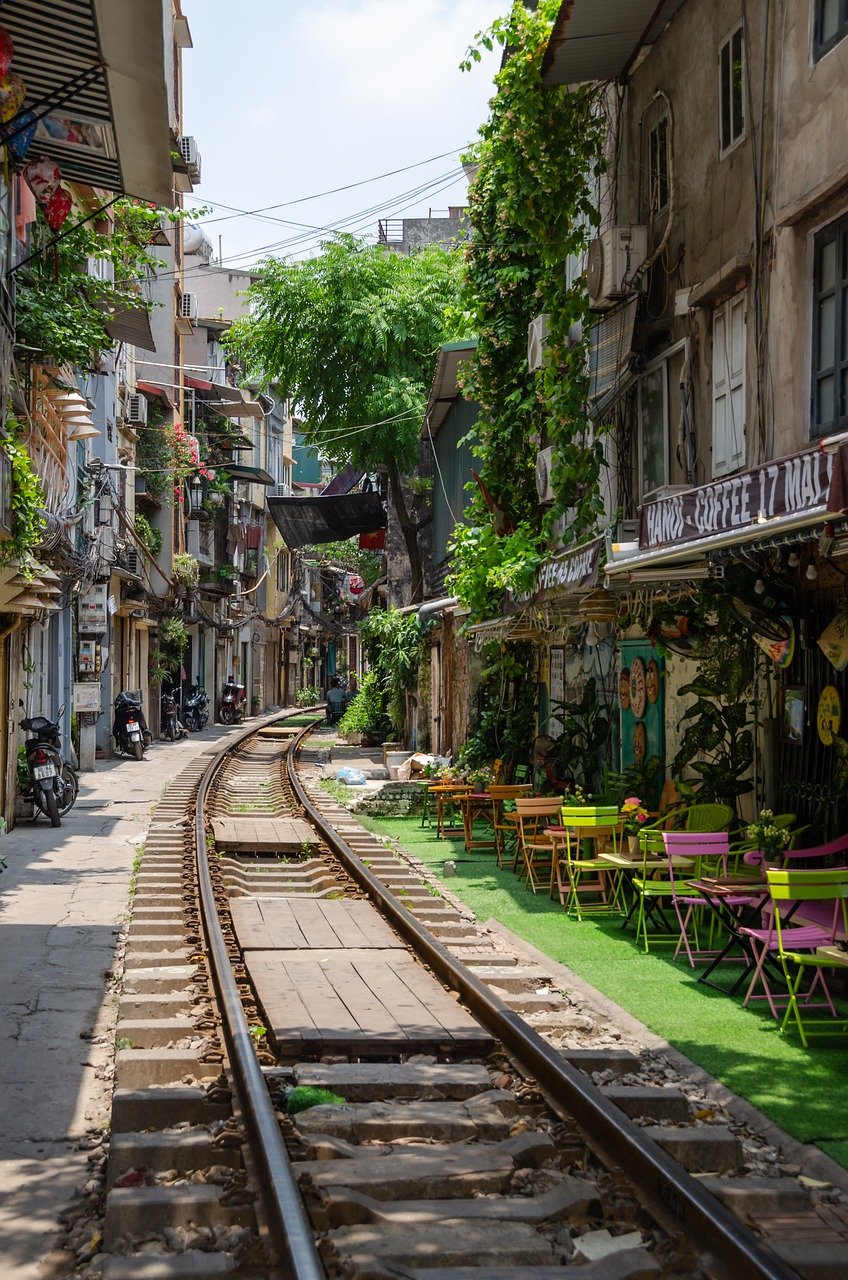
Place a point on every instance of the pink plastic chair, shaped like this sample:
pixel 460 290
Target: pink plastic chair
pixel 706 853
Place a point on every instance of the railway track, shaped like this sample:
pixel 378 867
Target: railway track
pixel 454 1140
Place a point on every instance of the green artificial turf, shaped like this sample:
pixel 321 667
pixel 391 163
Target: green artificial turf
pixel 799 1089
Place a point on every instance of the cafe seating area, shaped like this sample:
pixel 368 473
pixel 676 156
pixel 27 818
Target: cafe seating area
pixel 764 924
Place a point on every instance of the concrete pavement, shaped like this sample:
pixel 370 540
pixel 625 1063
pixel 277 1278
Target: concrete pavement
pixel 63 904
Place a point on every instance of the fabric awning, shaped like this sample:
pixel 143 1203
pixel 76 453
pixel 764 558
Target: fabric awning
pixel 249 475
pixel 152 389
pixel 308 520
pixel 93 71
pixel 592 41
pixel 778 498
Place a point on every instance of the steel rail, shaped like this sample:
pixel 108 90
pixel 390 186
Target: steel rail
pixel 704 1219
pixel 292 1232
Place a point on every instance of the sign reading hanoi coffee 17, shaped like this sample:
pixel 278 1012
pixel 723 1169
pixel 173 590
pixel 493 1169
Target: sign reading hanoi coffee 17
pixel 812 482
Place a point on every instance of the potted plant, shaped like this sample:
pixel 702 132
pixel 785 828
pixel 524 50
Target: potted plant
pixel 634 816
pixel 186 570
pixel 769 840
pixel 254 705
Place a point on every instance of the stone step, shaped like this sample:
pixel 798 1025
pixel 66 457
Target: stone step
pixel 168 1005
pixel 479 1119
pixel 139 959
pixel 621 1061
pixel 708 1149
pixel 194 1264
pixel 141 1068
pixel 182 1149
pixel 373 1082
pixel 155 1033
pixel 140 1210
pixel 654 1103
pixel 134 1110
pixel 751 1197
pixel 513 977
pixel 451 1242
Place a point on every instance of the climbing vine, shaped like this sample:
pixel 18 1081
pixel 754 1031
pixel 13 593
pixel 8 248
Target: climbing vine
pixel 27 503
pixel 531 209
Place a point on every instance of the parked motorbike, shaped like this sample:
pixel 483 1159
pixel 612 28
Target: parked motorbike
pixel 171 727
pixel 196 709
pixel 130 728
pixel 233 701
pixel 53 783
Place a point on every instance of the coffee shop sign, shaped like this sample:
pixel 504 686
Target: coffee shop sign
pixel 795 484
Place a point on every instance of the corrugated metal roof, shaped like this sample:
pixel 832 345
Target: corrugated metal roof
pixel 599 41
pixel 304 521
pixel 99 65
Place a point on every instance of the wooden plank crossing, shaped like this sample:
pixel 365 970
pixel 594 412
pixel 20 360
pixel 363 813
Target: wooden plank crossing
pixel 361 1002
pixel 268 835
pixel 292 924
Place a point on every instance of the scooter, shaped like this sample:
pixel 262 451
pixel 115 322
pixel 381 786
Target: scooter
pixel 54 784
pixel 233 700
pixel 129 728
pixel 171 727
pixel 196 709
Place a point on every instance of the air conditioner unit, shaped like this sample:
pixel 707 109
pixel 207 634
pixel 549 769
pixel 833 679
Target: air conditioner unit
pixel 544 461
pixel 191 156
pixel 188 306
pixel 665 491
pixel 135 409
pixel 537 341
pixel 613 258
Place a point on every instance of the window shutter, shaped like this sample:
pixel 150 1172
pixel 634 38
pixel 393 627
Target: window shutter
pixel 729 387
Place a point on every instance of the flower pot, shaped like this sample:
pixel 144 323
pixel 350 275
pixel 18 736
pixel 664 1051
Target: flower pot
pixel 632 846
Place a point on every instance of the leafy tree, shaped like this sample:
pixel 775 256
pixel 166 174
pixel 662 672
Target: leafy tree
pixel 351 336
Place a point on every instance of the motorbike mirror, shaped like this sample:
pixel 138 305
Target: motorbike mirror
pixel 20 702
pixel 61 712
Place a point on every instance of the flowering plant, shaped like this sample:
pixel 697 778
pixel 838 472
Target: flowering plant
pixel 576 795
pixel 634 814
pixel 765 835
pixel 481 779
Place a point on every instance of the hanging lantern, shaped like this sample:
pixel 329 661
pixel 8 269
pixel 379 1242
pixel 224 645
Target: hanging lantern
pixel 12 94
pixel 19 134
pixel 43 178
pixel 7 50
pixel 57 208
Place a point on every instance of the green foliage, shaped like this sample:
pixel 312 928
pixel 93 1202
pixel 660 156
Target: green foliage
pixel 304 1096
pixel 153 454
pixel 531 209
pixel 308 696
pixel 186 569
pixel 164 660
pixel 717 742
pixel 584 739
pixel 27 503
pixel 173 634
pixel 151 538
pixel 391 641
pixel 347 555
pixel 506 707
pixel 366 713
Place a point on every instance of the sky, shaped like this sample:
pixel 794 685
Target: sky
pixel 291 98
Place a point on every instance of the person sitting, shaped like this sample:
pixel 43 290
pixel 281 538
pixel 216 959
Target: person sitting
pixel 335 701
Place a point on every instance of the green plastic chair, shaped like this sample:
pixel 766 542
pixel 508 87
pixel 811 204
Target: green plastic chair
pixel 577 874
pixel 809 886
pixel 704 819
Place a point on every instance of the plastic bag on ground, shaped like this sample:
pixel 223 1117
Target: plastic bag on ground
pixel 351 777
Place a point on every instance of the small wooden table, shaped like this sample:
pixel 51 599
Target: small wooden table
pixel 447 793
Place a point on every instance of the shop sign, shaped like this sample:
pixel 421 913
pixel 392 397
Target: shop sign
pixel 570 571
pixel 788 486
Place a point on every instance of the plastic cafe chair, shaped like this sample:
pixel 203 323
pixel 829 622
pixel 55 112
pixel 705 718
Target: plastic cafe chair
pixel 578 876
pixel 704 853
pixel 534 847
pixel 831 887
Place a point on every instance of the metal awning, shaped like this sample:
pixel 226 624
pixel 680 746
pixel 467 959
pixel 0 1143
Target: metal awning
pixel 444 390
pixel 153 389
pixel 249 475
pixel 308 520
pixel 94 74
pixel 132 324
pixel 592 41
pixel 230 402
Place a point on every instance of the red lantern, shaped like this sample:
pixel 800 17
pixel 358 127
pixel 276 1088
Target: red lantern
pixel 43 178
pixel 57 208
pixel 7 49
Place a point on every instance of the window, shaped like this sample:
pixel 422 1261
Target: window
pixel 731 96
pixel 658 394
pixel 830 25
pixel 829 391
pixel 729 386
pixel 658 167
